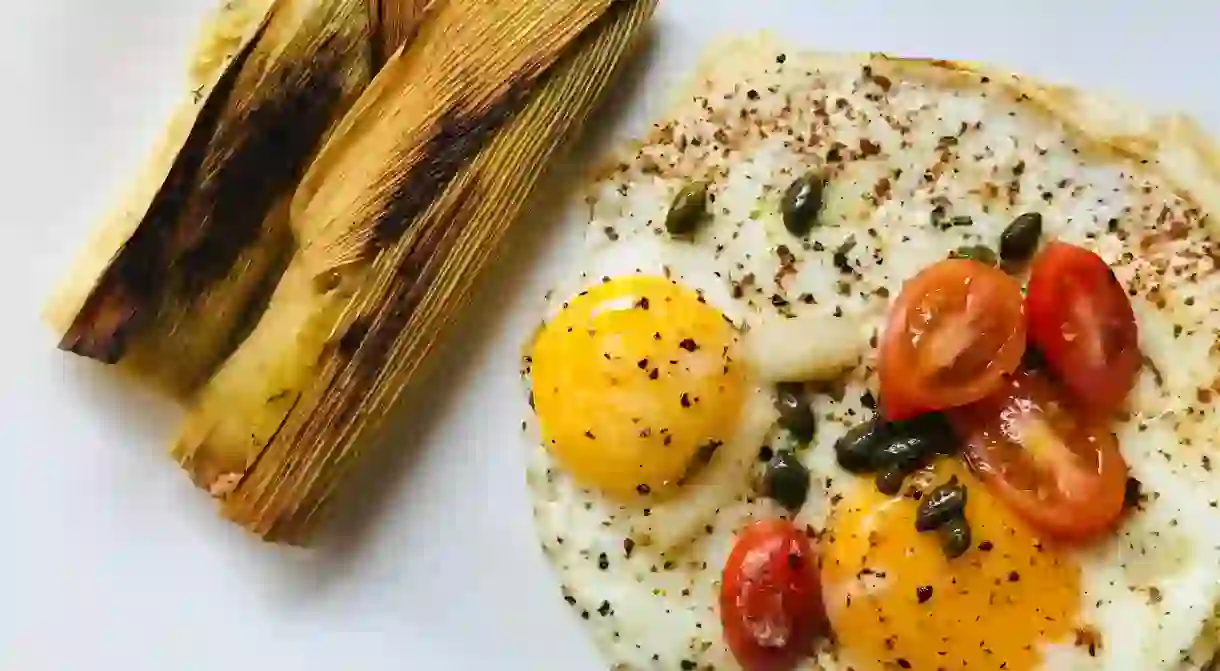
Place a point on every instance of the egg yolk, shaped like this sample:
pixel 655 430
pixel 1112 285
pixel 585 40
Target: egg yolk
pixel 895 601
pixel 634 383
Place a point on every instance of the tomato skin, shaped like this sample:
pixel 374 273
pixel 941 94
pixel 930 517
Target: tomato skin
pixel 771 597
pixel 1055 465
pixel 955 330
pixel 1081 319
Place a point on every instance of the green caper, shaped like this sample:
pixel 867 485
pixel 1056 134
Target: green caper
pixel 940 505
pixel 905 451
pixel 802 202
pixel 933 427
pixel 981 253
pixel 856 450
pixel 688 209
pixel 787 480
pixel 889 480
pixel 795 415
pixel 1020 239
pixel 955 537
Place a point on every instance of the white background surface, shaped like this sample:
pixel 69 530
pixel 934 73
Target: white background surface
pixel 110 559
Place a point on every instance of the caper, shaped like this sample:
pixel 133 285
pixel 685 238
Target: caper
pixel 688 209
pixel 889 479
pixel 904 451
pixel 795 415
pixel 856 449
pixel 938 507
pixel 787 480
pixel 955 537
pixel 802 203
pixel 981 253
pixel 933 427
pixel 1019 240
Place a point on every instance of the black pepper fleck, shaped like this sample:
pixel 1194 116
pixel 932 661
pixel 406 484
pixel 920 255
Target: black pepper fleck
pixel 1133 494
pixel 840 256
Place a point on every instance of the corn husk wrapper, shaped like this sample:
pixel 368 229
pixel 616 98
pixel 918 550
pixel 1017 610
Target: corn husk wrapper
pixel 396 218
pixel 171 279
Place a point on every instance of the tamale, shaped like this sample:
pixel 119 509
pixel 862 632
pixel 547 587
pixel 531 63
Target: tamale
pixel 170 280
pixel 397 218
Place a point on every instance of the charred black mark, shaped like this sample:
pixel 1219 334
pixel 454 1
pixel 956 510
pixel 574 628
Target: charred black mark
pixel 101 335
pixel 416 272
pixel 101 328
pixel 455 138
pixel 233 165
pixel 351 339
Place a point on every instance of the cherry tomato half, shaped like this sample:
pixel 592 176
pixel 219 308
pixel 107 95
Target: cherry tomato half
pixel 771 597
pixel 955 330
pixel 1056 467
pixel 1081 320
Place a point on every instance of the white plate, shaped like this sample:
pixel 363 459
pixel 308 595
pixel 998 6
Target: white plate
pixel 110 559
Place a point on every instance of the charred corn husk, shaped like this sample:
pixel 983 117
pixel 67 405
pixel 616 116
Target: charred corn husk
pixel 396 218
pixel 169 282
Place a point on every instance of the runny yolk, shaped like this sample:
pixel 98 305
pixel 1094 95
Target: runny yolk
pixel 634 383
pixel 895 601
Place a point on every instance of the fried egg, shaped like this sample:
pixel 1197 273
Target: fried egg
pixel 921 157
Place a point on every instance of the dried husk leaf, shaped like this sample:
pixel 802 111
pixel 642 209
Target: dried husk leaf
pixel 396 23
pixel 381 278
pixel 174 275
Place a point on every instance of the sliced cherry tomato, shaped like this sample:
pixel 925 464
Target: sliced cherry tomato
pixel 1055 466
pixel 771 597
pixel 953 333
pixel 1081 319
